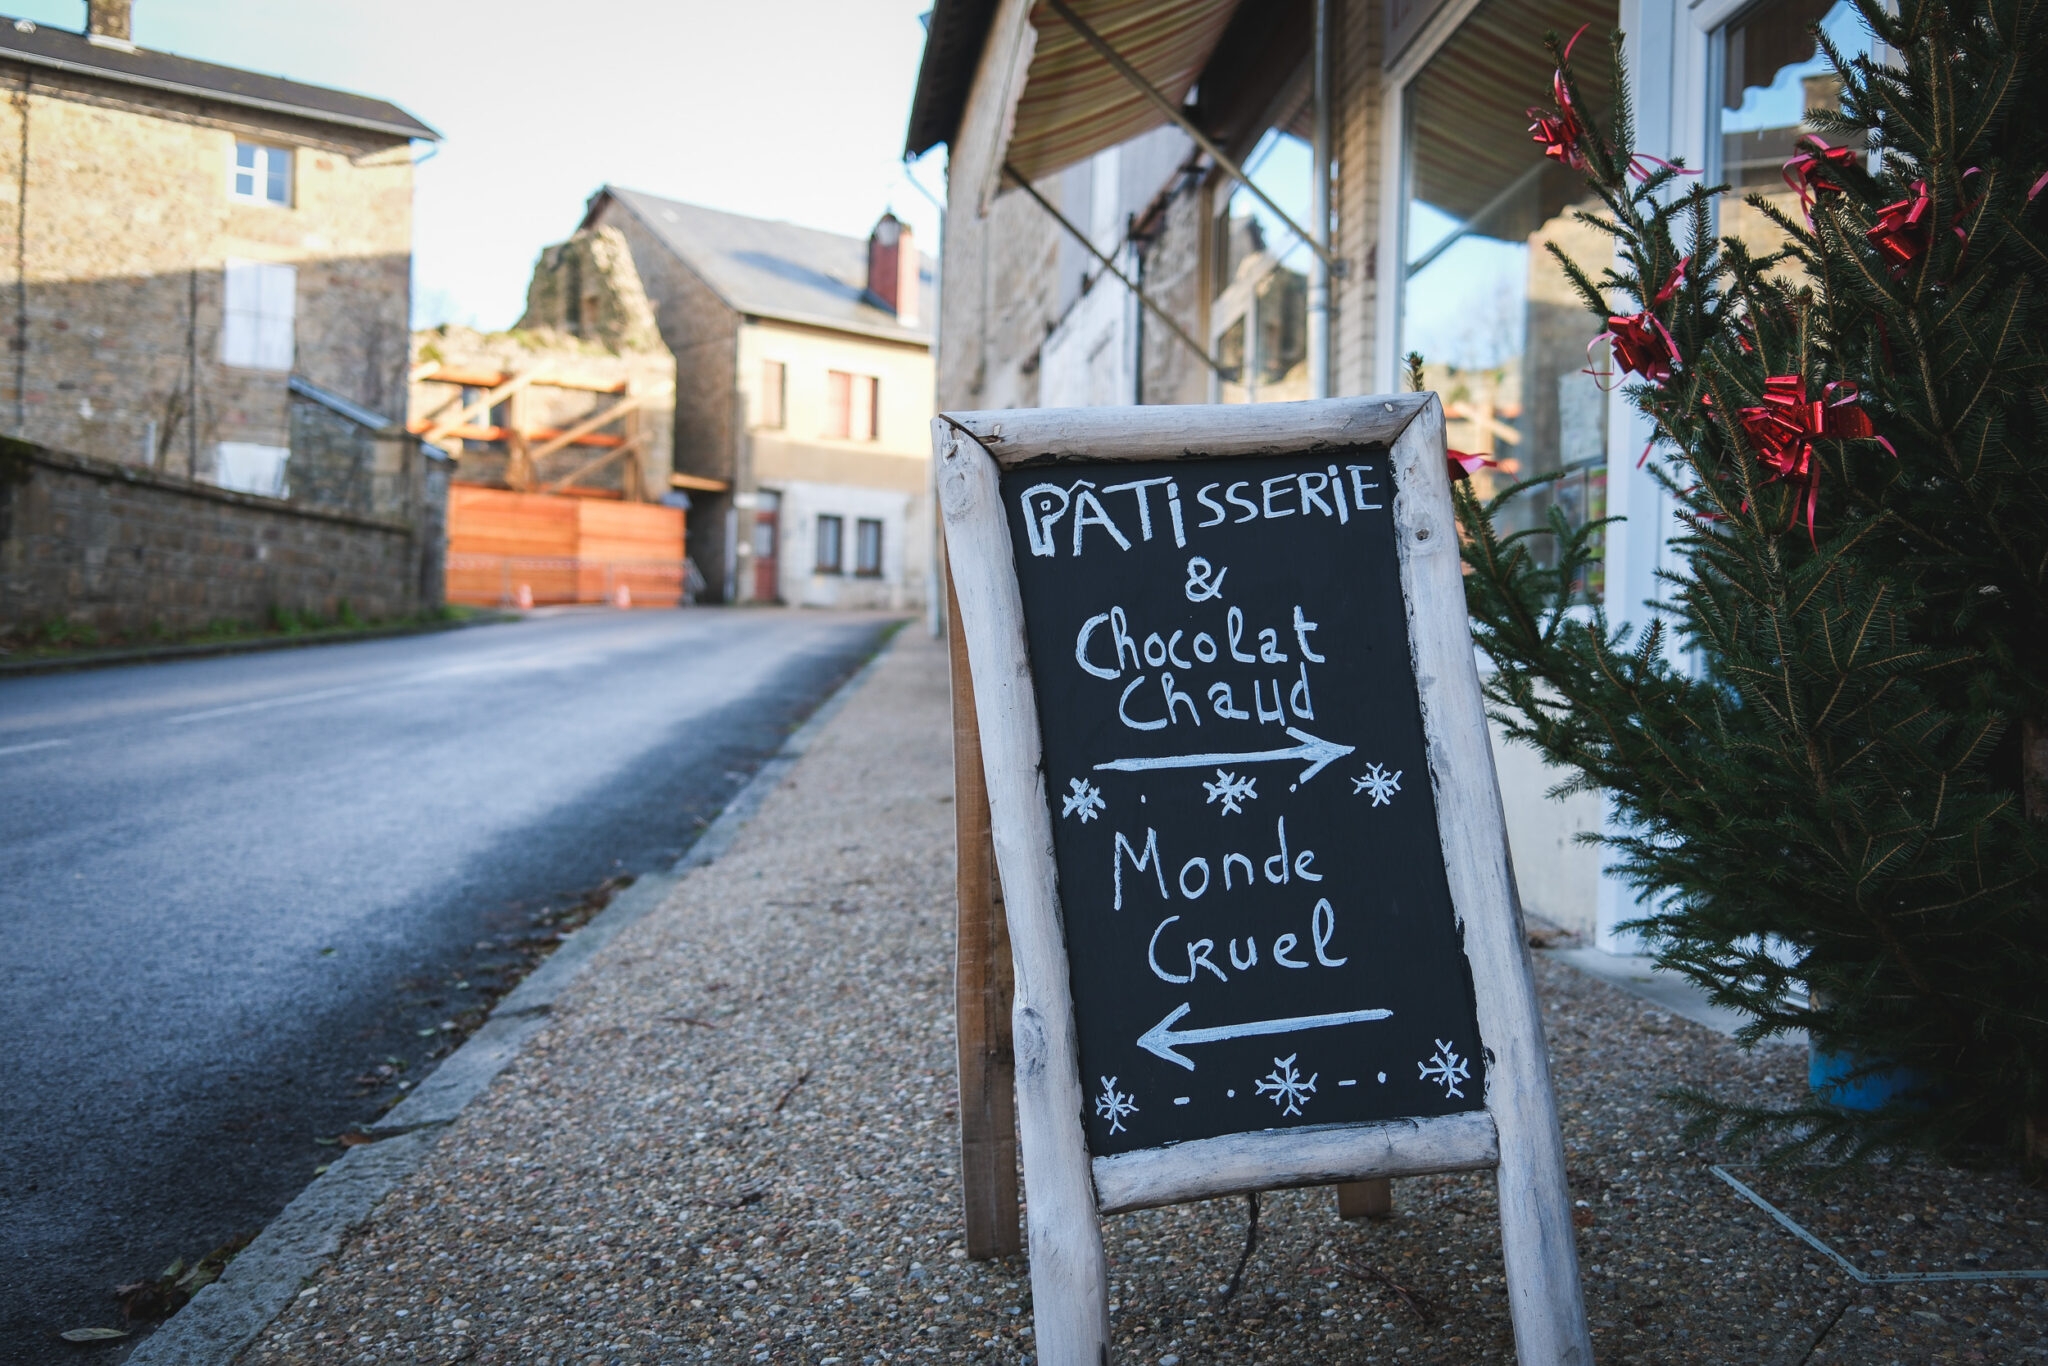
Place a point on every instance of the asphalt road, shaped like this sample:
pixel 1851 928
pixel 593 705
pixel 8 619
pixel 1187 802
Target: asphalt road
pixel 231 888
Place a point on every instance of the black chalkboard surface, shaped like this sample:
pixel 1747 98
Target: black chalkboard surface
pixel 1257 920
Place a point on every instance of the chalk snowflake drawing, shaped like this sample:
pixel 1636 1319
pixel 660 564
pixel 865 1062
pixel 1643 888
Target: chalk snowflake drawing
pixel 1231 790
pixel 1084 799
pixel 1446 1069
pixel 1114 1105
pixel 1286 1085
pixel 1379 783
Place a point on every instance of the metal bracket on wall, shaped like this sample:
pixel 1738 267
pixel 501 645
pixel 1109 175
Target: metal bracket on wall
pixel 1186 125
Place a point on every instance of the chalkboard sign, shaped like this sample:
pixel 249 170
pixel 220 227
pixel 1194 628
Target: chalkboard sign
pixel 1258 927
pixel 1242 802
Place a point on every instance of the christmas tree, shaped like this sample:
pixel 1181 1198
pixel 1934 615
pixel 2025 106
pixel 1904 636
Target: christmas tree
pixel 1828 748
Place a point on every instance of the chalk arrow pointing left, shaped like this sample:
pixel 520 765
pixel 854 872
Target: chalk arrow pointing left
pixel 1162 1038
pixel 1317 751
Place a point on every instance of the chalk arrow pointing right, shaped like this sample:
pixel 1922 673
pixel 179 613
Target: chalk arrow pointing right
pixel 1161 1038
pixel 1317 751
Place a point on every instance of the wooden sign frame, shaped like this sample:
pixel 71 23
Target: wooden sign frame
pixel 1517 1131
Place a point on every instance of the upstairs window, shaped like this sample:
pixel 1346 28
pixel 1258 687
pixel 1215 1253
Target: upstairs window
pixel 256 323
pixel 867 548
pixel 774 388
pixel 852 406
pixel 261 174
pixel 831 541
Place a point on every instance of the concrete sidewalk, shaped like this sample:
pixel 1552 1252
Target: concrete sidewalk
pixel 734 1140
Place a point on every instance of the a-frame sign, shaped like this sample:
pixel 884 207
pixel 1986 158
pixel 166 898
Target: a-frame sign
pixel 1252 857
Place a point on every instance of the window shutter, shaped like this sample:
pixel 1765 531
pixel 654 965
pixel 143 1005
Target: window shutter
pixel 279 313
pixel 866 420
pixel 772 382
pixel 838 404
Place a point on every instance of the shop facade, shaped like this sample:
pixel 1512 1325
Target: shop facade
pixel 1203 202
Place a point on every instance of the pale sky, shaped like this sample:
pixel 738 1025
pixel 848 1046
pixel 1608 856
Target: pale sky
pixel 791 109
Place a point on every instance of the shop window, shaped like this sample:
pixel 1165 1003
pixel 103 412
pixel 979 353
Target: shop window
pixel 1768 74
pixel 1258 277
pixel 867 548
pixel 774 393
pixel 831 538
pixel 1502 335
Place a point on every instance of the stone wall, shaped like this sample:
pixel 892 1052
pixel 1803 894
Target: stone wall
pixel 704 335
pixel 133 552
pixel 588 288
pixel 1175 279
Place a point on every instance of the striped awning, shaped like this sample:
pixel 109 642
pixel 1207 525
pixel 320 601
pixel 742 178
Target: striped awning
pixel 1074 104
pixel 1468 109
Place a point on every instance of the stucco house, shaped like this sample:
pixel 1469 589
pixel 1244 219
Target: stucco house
pixel 804 383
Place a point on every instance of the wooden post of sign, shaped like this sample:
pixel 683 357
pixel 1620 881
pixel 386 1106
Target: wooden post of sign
pixel 1069 1271
pixel 1538 1248
pixel 1366 1199
pixel 981 985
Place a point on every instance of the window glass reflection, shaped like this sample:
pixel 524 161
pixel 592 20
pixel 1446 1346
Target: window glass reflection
pixel 1503 337
pixel 1771 75
pixel 1259 278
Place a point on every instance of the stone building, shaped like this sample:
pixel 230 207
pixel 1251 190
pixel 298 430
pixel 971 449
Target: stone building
pixel 804 383
pixel 1343 182
pixel 185 238
pixel 210 281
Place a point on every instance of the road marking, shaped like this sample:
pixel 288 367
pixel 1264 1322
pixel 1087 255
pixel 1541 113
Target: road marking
pixel 1161 1038
pixel 269 702
pixel 36 744
pixel 1319 751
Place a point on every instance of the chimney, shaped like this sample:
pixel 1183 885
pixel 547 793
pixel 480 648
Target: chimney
pixel 107 21
pixel 893 269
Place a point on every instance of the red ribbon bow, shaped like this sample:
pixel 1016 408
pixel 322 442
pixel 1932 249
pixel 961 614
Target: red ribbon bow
pixel 1901 233
pixel 1643 346
pixel 1785 425
pixel 1642 343
pixel 1561 137
pixel 1813 172
pixel 1465 465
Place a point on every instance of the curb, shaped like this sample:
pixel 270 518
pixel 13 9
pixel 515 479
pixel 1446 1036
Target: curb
pixel 267 1275
pixel 152 654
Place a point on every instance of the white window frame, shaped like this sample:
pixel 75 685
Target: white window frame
pixel 259 175
pixel 259 314
pixel 1676 32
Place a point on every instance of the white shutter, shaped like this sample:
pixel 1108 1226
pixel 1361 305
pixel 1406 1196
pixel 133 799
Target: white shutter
pixel 259 308
pixel 251 468
pixel 279 313
pixel 240 302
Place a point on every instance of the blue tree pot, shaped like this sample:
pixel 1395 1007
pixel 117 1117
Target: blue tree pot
pixel 1828 1075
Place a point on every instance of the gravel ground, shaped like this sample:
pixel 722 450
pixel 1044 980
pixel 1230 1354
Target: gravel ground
pixel 736 1142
